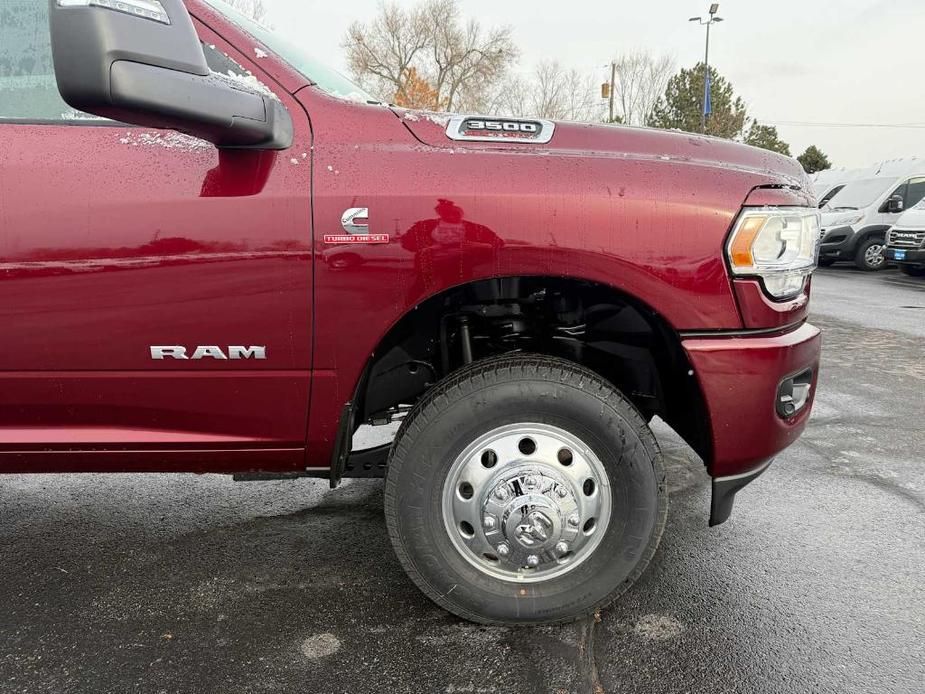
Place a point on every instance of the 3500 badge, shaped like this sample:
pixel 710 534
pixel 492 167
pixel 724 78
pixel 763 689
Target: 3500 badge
pixel 504 125
pixel 482 129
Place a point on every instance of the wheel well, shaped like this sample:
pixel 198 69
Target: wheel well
pixel 608 331
pixel 868 232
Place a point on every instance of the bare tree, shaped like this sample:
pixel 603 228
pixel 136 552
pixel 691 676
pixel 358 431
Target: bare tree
pixel 641 80
pixel 550 92
pixel 581 97
pixel 383 53
pixel 511 97
pixel 467 59
pixel 429 56
pixel 461 61
pixel 546 94
pixel 255 9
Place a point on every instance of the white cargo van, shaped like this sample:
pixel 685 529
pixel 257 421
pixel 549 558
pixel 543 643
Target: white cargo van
pixel 855 220
pixel 905 242
pixel 830 181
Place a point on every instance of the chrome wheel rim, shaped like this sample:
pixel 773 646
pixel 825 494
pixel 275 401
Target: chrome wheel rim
pixel 874 255
pixel 526 502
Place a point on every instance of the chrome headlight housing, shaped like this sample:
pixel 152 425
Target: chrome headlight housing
pixel 779 245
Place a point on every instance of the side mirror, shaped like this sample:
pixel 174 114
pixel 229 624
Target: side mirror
pixel 895 204
pixel 140 61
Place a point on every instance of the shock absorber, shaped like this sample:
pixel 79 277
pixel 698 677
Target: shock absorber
pixel 466 339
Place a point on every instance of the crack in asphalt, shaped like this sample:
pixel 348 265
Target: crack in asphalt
pixel 880 482
pixel 588 655
pixel 883 484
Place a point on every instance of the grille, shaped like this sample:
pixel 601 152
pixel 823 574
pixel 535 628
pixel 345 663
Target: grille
pixel 905 239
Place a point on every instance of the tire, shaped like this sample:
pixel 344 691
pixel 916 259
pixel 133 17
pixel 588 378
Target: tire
pixel 865 257
pixel 498 402
pixel 912 270
pixel 826 262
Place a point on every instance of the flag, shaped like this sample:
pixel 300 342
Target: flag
pixel 707 106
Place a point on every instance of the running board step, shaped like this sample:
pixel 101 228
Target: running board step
pixel 370 462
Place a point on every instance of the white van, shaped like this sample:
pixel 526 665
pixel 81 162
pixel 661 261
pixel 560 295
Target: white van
pixel 830 181
pixel 905 242
pixel 855 220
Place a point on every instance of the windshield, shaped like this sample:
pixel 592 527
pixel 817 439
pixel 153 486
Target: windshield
pixel 858 194
pixel 327 79
pixel 820 188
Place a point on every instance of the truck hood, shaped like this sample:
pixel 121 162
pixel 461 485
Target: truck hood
pixel 913 218
pixel 591 139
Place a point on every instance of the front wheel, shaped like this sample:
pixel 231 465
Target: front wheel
pixel 869 255
pixel 524 489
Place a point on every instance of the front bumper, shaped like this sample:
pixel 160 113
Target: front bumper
pixel 912 256
pixel 724 493
pixel 740 377
pixel 838 242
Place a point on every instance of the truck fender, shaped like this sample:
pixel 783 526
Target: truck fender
pixel 875 230
pixel 864 234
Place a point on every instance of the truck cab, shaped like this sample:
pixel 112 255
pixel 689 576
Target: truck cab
pixel 219 256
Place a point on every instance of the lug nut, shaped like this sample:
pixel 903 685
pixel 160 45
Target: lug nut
pixel 503 550
pixel 561 547
pixel 561 492
pixel 532 482
pixel 489 522
pixel 574 520
pixel 501 493
pixel 533 561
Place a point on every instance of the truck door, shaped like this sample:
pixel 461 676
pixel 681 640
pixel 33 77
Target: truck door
pixel 125 249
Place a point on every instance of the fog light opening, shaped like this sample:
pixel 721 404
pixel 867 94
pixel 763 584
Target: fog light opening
pixel 793 393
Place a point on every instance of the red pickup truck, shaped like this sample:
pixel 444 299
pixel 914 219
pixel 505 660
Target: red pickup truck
pixel 219 256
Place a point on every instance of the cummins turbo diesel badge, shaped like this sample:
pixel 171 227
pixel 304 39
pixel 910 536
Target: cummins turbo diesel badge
pixel 351 239
pixel 488 129
pixel 355 222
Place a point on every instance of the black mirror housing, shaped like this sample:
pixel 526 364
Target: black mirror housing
pixel 140 70
pixel 895 204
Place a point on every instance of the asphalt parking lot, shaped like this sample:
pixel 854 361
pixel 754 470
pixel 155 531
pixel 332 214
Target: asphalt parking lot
pixel 178 583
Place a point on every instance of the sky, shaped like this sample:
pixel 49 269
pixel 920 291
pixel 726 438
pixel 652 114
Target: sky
pixel 824 62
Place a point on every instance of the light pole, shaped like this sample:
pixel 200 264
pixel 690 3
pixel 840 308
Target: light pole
pixel 608 89
pixel 707 107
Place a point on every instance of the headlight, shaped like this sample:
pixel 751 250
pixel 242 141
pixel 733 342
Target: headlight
pixel 848 219
pixel 778 244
